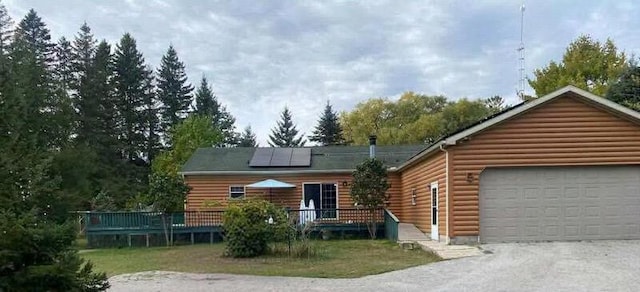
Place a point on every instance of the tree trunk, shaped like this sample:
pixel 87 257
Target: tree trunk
pixel 372 225
pixel 164 227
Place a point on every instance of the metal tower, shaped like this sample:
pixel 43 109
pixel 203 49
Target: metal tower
pixel 522 80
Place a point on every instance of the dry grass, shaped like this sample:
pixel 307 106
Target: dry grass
pixel 334 259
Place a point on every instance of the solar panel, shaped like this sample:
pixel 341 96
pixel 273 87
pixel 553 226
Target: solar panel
pixel 301 157
pixel 281 157
pixel 261 157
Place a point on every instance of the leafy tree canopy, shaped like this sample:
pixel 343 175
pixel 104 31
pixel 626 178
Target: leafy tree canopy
pixel 586 63
pixel 192 133
pixel 414 118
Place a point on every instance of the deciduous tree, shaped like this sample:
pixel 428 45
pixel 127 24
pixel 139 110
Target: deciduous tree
pixel 586 63
pixel 369 189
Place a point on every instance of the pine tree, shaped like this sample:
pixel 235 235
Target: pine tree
pixel 284 135
pixel 6 32
pixel 98 104
pixel 32 61
pixel 173 90
pixel 130 84
pixel 328 131
pixel 207 104
pixel 152 124
pixel 87 106
pixel 62 109
pixel 247 138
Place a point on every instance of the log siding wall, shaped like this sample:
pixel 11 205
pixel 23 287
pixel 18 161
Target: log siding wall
pixel 216 189
pixel 565 131
pixel 419 177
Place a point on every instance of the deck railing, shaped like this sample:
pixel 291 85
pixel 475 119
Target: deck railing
pixel 391 223
pixel 100 221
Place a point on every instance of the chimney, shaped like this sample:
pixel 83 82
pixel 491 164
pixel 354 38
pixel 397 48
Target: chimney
pixel 372 146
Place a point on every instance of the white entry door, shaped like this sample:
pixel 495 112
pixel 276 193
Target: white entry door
pixel 434 211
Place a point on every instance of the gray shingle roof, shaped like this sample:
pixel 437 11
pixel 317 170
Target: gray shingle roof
pixel 328 158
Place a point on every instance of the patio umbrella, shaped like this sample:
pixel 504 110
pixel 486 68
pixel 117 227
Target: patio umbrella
pixel 270 184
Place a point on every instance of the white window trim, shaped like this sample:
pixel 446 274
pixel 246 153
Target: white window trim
pixel 244 192
pixel 337 196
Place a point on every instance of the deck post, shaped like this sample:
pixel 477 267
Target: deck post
pixel 192 240
pixel 147 239
pixel 211 237
pixel 129 239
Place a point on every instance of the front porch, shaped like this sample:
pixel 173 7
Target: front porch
pixel 120 229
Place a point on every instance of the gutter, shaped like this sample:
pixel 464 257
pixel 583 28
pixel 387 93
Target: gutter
pixel 422 154
pixel 264 172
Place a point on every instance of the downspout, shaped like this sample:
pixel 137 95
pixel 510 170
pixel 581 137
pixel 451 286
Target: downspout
pixel 446 183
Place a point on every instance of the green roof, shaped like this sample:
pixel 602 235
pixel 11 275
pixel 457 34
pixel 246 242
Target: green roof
pixel 323 158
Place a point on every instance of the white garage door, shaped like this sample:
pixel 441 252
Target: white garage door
pixel 559 203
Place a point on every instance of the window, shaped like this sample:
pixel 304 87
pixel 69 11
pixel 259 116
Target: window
pixel 236 192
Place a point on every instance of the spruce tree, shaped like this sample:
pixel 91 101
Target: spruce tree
pixel 87 105
pixel 284 135
pixel 130 83
pixel 173 90
pixel 207 105
pixel 247 138
pixel 32 62
pixel 97 104
pixel 151 120
pixel 328 131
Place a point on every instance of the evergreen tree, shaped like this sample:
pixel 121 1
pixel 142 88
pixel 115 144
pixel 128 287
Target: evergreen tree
pixel 207 104
pixel 6 32
pixel 173 90
pixel 130 82
pixel 626 91
pixel 284 135
pixel 328 131
pixel 32 56
pixel 83 50
pixel 61 109
pixel 247 138
pixel 152 124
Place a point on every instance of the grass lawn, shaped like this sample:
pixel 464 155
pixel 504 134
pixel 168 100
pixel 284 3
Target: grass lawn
pixel 335 259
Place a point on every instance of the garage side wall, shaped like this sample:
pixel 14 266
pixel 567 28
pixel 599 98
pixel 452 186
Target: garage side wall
pixel 418 178
pixel 565 131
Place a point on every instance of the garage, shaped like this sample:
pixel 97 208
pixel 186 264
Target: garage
pixel 520 204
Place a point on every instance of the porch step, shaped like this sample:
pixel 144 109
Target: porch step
pixel 409 232
pixel 447 251
pixel 409 237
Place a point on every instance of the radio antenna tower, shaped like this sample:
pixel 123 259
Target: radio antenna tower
pixel 522 80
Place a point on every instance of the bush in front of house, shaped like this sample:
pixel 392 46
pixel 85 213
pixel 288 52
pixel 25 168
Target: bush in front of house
pixel 250 225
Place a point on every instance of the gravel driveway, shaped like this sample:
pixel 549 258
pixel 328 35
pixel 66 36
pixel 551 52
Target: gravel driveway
pixel 557 266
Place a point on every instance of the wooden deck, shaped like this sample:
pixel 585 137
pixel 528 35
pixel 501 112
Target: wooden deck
pixel 104 229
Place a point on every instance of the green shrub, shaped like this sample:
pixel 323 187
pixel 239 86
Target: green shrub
pixel 247 228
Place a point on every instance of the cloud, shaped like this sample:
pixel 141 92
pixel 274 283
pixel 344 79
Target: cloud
pixel 263 55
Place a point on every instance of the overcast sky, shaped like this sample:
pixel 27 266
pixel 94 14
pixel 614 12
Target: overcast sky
pixel 263 55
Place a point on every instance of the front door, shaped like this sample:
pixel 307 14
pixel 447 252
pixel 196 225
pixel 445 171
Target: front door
pixel 325 199
pixel 434 211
